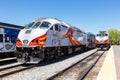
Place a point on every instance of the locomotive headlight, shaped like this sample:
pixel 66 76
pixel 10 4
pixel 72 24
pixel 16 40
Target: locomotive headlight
pixel 101 41
pixel 25 41
pixel 34 42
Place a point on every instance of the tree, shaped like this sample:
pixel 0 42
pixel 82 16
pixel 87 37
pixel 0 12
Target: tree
pixel 114 35
pixel 26 25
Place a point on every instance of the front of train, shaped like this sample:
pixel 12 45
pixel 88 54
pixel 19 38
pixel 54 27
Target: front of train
pixel 31 41
pixel 102 40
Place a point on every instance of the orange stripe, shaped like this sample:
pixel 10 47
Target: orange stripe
pixel 42 40
pixel 74 42
pixel 106 41
pixel 97 42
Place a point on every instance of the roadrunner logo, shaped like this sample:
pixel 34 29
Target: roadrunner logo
pixel 69 35
pixel 9 46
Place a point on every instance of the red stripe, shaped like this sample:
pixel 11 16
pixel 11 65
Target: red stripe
pixel 42 40
pixel 44 35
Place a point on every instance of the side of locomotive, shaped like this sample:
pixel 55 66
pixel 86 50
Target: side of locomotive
pixel 102 40
pixel 48 38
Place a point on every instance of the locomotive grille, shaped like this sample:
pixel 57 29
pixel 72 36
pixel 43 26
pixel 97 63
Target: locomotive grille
pixel 25 41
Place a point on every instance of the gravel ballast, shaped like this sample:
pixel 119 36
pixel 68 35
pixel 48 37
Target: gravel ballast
pixel 46 71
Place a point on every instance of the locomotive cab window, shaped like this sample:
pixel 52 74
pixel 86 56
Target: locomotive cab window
pixel 7 38
pixel 98 35
pixel 56 28
pixel 1 37
pixel 13 38
pixel 106 34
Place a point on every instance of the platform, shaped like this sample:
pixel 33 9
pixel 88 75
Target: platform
pixel 111 66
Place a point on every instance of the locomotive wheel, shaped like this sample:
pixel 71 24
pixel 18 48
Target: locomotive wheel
pixel 48 55
pixel 70 50
pixel 65 51
pixel 58 53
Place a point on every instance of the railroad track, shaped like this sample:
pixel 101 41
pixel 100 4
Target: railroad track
pixel 6 61
pixel 80 69
pixel 13 69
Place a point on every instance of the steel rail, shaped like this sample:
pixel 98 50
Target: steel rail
pixel 59 73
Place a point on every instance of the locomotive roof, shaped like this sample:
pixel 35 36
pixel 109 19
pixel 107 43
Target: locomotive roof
pixel 77 29
pixel 102 32
pixel 51 20
pixel 7 25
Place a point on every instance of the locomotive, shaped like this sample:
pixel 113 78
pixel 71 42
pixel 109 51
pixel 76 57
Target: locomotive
pixel 47 38
pixel 102 40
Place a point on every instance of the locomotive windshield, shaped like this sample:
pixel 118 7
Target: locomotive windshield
pixel 30 25
pixel 45 25
pixel 36 25
pixel 102 35
pixel 39 25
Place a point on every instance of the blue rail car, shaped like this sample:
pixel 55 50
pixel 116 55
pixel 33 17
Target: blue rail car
pixel 8 35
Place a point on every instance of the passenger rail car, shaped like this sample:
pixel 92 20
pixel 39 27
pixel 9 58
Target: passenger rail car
pixel 47 38
pixel 102 40
pixel 8 35
pixel 90 41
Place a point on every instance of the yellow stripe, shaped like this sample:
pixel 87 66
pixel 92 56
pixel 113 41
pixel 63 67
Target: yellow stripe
pixel 43 38
pixel 42 43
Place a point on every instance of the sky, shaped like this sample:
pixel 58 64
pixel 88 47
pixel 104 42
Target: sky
pixel 88 15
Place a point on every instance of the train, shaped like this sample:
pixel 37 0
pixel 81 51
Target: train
pixel 48 38
pixel 102 40
pixel 8 35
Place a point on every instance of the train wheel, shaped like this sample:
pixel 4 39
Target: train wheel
pixel 65 51
pixel 48 55
pixel 70 50
pixel 58 53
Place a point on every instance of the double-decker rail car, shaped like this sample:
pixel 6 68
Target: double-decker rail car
pixel 47 38
pixel 8 35
pixel 102 40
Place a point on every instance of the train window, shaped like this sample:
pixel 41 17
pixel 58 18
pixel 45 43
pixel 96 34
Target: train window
pixel 80 35
pixel 64 26
pixel 45 25
pixel 98 35
pixel 51 28
pixel 55 27
pixel 13 38
pixel 30 25
pixel 1 37
pixel 7 38
pixel 106 34
pixel 36 25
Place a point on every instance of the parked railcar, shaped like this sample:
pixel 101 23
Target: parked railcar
pixel 8 35
pixel 102 40
pixel 47 38
pixel 90 41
